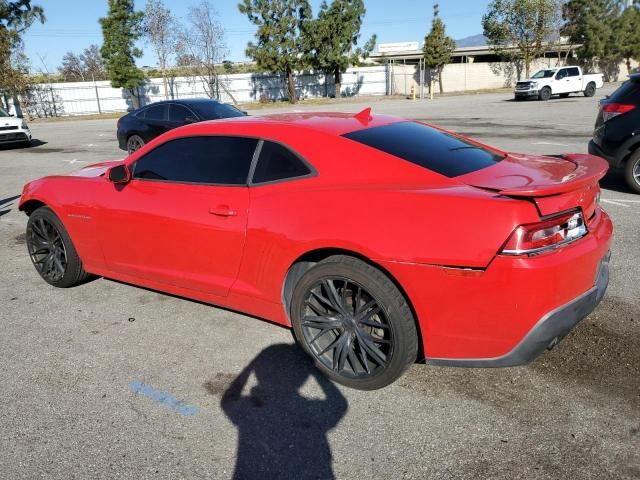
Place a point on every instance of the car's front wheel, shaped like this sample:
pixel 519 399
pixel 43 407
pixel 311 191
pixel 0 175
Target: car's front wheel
pixel 545 94
pixel 632 171
pixel 51 250
pixel 354 322
pixel 134 142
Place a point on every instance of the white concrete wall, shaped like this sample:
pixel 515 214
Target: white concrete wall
pixel 83 98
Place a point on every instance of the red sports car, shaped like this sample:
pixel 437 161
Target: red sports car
pixel 380 241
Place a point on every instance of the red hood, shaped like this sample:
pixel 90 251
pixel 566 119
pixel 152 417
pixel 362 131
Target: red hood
pixel 522 175
pixel 95 170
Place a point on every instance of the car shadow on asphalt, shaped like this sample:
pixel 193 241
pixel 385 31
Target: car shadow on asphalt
pixel 17 146
pixel 281 433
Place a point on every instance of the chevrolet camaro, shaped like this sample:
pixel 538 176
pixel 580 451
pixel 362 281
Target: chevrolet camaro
pixel 380 241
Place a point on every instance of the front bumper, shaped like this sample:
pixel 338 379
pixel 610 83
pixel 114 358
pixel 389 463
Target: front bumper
pixel 548 332
pixel 15 136
pixel 525 93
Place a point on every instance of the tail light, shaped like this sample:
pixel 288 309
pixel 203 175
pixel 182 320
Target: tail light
pixel 551 233
pixel 612 110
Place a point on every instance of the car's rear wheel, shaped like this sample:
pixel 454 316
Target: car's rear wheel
pixel 51 250
pixel 590 91
pixel 354 322
pixel 545 94
pixel 632 171
pixel 134 142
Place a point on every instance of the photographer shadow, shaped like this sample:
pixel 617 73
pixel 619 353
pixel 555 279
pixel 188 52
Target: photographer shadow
pixel 281 433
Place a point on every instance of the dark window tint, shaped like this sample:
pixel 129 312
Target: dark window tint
pixel 628 92
pixel 221 160
pixel 156 113
pixel 561 74
pixel 428 147
pixel 573 72
pixel 212 110
pixel 178 113
pixel 278 163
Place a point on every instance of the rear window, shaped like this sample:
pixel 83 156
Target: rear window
pixel 628 92
pixel 428 147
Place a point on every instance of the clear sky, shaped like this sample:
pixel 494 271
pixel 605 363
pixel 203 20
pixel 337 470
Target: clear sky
pixel 73 25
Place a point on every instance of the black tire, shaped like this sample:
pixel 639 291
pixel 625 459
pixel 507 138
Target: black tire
pixel 134 142
pixel 590 91
pixel 51 250
pixel 545 94
pixel 367 320
pixel 516 98
pixel 564 95
pixel 632 171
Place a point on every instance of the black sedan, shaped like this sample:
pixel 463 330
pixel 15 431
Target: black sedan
pixel 146 123
pixel 616 136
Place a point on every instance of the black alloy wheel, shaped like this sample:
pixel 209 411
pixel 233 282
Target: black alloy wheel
pixel 590 91
pixel 46 249
pixel 345 328
pixel 51 250
pixel 354 322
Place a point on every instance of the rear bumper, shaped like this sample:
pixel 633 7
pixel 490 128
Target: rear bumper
pixel 509 312
pixel 548 332
pixel 594 149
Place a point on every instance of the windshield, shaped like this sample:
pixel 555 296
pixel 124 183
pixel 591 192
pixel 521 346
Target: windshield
pixel 544 74
pixel 215 110
pixel 3 113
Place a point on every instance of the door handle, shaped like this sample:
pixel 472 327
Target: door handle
pixel 223 211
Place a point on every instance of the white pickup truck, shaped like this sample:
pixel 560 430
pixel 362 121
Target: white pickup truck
pixel 558 81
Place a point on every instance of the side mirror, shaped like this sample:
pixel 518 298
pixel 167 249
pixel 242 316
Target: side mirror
pixel 119 174
pixel 190 119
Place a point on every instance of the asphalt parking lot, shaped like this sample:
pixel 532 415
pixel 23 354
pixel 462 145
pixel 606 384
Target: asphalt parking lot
pixel 109 380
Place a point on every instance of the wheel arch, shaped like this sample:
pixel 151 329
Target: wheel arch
pixel 31 206
pixel 627 150
pixel 305 261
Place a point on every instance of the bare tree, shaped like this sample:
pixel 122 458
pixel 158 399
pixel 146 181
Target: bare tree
pixel 159 27
pixel 203 42
pixel 72 68
pixel 93 63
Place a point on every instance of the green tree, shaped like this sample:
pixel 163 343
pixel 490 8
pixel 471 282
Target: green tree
pixel 121 28
pixel 15 17
pixel 592 24
pixel 518 30
pixel 332 36
pixel 628 28
pixel 438 47
pixel 280 46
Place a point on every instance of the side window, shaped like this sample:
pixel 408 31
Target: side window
pixel 156 113
pixel 207 160
pixel 178 113
pixel 561 74
pixel 278 163
pixel 574 72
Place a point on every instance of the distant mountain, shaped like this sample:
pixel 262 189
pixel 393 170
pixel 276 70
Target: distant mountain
pixel 472 41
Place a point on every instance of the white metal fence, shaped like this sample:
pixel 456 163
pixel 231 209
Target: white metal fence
pixel 86 98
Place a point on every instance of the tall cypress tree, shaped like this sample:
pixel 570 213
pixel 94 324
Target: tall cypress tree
pixel 280 44
pixel 121 28
pixel 333 36
pixel 438 46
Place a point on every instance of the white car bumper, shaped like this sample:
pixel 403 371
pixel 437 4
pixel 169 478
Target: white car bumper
pixel 13 134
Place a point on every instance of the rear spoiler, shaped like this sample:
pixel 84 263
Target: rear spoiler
pixel 589 169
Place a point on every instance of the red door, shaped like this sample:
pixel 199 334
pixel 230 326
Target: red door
pixel 191 236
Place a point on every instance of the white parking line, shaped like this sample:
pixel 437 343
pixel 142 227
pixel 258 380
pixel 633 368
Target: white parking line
pixel 619 202
pixel 554 144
